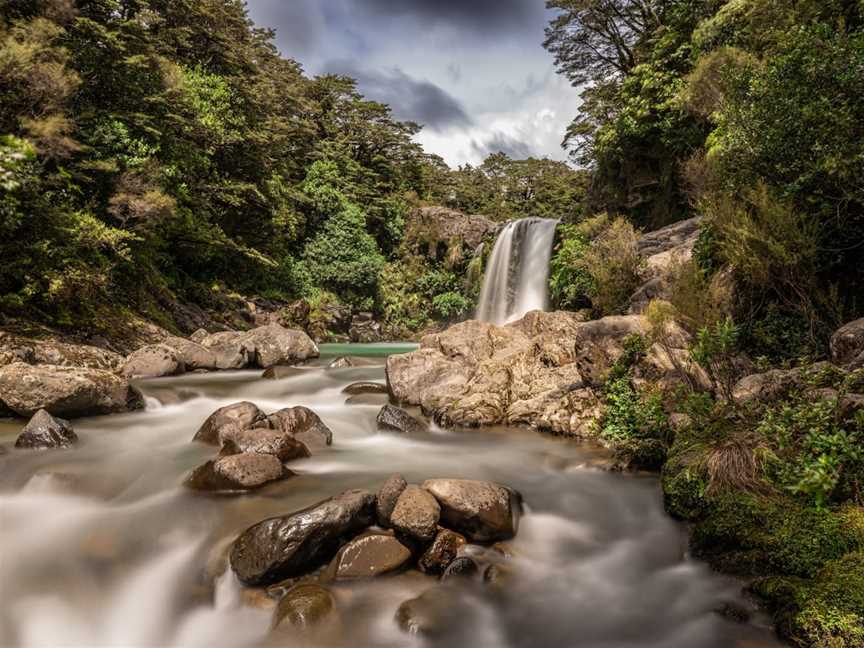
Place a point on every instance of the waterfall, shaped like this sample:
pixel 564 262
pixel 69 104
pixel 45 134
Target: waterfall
pixel 517 276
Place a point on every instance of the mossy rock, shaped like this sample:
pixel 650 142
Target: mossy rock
pixel 640 454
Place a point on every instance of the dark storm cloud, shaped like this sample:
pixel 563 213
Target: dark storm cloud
pixel 502 143
pixel 411 99
pixel 469 14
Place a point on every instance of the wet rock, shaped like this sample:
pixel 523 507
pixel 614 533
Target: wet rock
pixel 264 441
pixel 387 497
pixel 461 567
pixel 369 555
pixel 395 419
pixel 279 372
pixel 304 606
pixel 441 552
pixel 341 363
pixel 847 345
pixel 195 356
pixel 245 471
pixel 480 510
pixel 365 387
pixel 242 415
pixel 291 545
pixel 66 391
pixel 302 424
pixel 416 514
pixel 153 361
pixel 45 431
pixel 430 614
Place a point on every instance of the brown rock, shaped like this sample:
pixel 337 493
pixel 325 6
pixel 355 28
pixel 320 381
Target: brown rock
pixel 242 415
pixel 153 361
pixel 264 441
pixel 244 471
pixel 304 606
pixel 416 514
pixel 304 425
pixel 371 554
pixel 387 496
pixel 394 419
pixel 45 431
pixel 847 345
pixel 365 387
pixel 441 552
pixel 482 511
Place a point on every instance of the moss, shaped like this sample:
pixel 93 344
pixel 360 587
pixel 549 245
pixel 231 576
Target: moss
pixel 640 454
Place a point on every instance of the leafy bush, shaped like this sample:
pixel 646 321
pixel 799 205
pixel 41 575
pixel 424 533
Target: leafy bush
pixel 715 351
pixel 450 306
pixel 613 262
pixel 570 282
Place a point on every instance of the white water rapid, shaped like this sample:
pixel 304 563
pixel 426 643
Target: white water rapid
pixel 518 272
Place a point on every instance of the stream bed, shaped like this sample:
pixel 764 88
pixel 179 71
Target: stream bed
pixel 101 545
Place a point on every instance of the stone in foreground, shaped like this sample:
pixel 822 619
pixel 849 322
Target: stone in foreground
pixel 245 471
pixel 416 515
pixel 242 415
pixel 44 431
pixel 387 497
pixel 372 554
pixel 395 419
pixel 441 552
pixel 65 391
pixel 480 510
pixel 303 606
pixel 295 544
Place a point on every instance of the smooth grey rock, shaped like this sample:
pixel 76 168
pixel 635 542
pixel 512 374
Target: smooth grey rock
pixel 395 419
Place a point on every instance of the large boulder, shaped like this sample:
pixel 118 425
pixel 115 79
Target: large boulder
pixel 847 345
pixel 66 391
pixel 193 355
pixel 45 431
pixel 244 471
pixel 262 347
pixel 292 545
pixel 395 419
pixel 480 510
pixel 416 515
pixel 153 361
pixel 302 424
pixel 371 554
pixel 241 415
pixel 15 348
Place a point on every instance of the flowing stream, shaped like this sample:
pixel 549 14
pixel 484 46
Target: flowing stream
pixel 517 275
pixel 101 545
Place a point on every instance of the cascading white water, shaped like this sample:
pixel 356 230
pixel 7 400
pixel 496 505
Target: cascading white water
pixel 516 279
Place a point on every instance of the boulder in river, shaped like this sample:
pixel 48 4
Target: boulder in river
pixel 193 355
pixel 45 431
pixel 395 419
pixel 480 510
pixel 371 554
pixel 302 424
pixel 153 361
pixel 243 415
pixel 365 387
pixel 441 552
pixel 387 497
pixel 264 441
pixel 343 362
pixel 416 515
pixel 264 346
pixel 291 545
pixel 304 606
pixel 66 391
pixel 244 471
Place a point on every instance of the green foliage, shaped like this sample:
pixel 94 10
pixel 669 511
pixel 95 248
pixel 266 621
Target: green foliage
pixel 570 283
pixel 450 305
pixel 715 350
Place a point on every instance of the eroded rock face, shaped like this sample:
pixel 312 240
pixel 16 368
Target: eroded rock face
pixel 371 554
pixel 45 431
pixel 244 471
pixel 387 497
pixel 395 419
pixel 847 345
pixel 153 361
pixel 65 391
pixel 441 552
pixel 480 510
pixel 447 233
pixel 545 370
pixel 241 415
pixel 291 545
pixel 416 515
pixel 304 606
pixel 303 425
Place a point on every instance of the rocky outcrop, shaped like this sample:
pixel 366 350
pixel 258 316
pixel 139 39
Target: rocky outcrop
pixel 44 431
pixel 369 555
pixel 481 511
pixel 154 361
pixel 395 419
pixel 446 234
pixel 65 391
pixel 261 347
pixel 291 545
pixel 16 348
pixel 245 471
pixel 241 415
pixel 545 370
pixel 847 345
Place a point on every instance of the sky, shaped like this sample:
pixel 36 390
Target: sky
pixel 473 72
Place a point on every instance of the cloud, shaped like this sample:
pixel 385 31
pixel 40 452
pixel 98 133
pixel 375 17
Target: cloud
pixel 502 143
pixel 482 15
pixel 410 99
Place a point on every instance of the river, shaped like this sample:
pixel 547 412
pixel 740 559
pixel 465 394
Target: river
pixel 101 545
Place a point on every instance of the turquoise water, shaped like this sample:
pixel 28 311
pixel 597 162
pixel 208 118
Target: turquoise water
pixel 379 349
